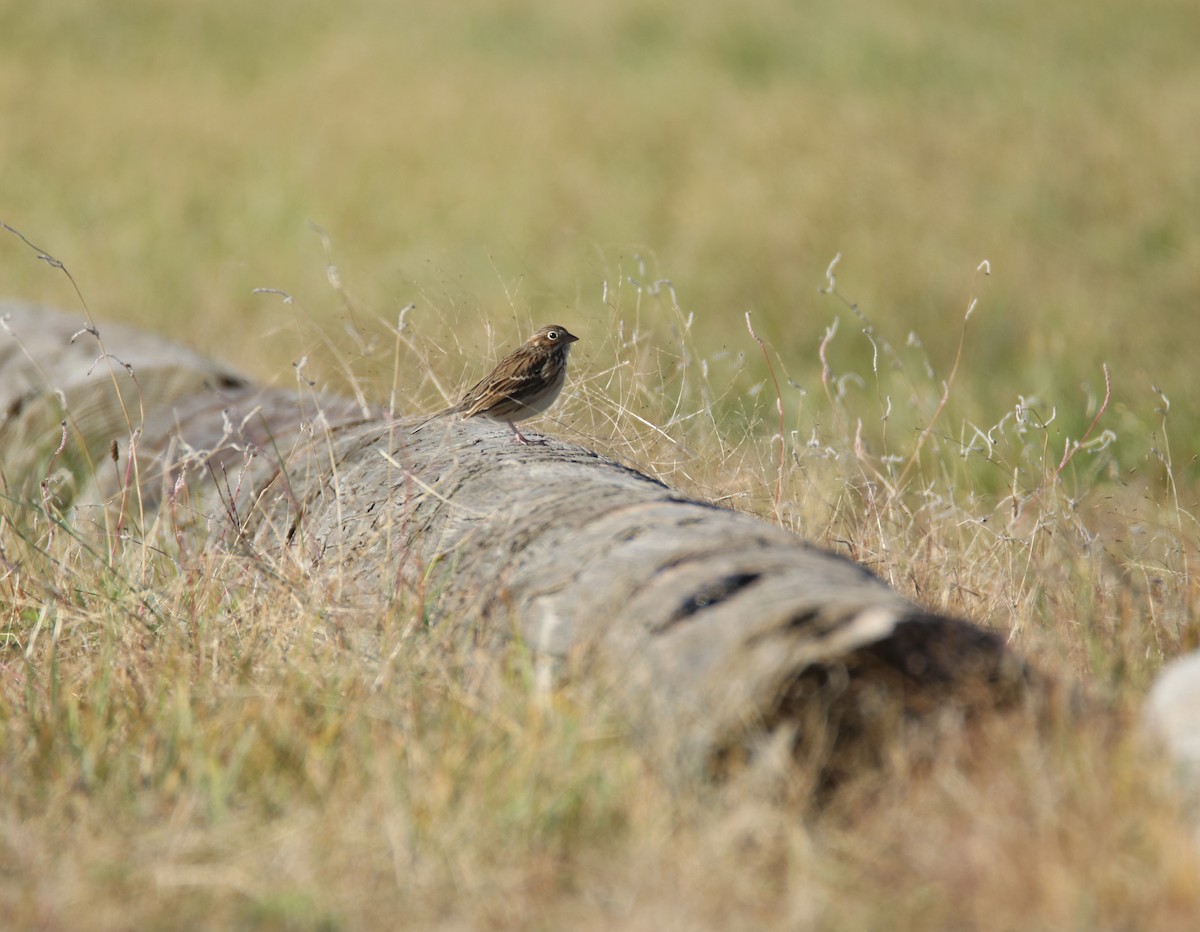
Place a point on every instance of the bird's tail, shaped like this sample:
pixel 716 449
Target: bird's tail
pixel 434 417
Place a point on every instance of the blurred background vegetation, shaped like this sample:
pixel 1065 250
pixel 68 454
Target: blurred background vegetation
pixel 514 162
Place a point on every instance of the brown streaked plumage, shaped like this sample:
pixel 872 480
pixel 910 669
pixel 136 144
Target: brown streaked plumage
pixel 524 383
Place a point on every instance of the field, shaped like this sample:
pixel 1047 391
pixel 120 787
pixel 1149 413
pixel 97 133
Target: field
pixel 988 398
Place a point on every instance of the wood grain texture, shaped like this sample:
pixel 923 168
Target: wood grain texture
pixel 717 630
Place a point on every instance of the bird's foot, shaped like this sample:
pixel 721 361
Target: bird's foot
pixel 519 437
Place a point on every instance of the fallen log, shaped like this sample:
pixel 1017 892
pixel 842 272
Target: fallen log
pixel 719 631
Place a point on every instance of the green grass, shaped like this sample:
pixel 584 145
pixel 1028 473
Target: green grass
pixel 227 760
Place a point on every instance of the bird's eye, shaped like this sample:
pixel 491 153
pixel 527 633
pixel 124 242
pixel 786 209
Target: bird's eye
pixel 552 335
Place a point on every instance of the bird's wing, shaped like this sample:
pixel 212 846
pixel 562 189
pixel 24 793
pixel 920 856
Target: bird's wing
pixel 499 390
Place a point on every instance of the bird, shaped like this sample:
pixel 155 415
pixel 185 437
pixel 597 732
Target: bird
pixel 524 383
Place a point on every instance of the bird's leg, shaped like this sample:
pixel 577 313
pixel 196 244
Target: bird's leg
pixel 521 438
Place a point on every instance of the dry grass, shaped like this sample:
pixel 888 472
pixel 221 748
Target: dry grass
pixel 191 741
pixel 187 742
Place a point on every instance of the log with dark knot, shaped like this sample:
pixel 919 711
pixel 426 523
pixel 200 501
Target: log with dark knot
pixel 718 631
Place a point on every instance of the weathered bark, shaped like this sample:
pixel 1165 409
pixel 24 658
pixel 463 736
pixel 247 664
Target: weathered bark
pixel 717 628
